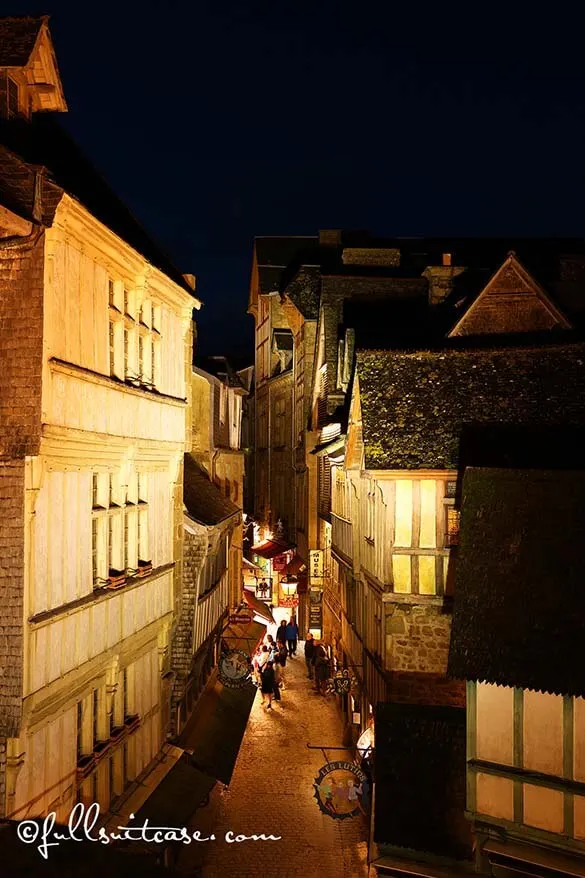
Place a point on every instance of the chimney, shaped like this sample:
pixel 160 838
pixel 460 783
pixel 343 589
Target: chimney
pixel 330 237
pixel 440 278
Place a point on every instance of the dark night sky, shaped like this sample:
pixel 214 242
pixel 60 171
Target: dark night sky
pixel 217 121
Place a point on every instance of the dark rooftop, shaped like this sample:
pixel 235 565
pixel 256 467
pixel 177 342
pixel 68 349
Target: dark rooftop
pixel 18 36
pixel 519 612
pixel 204 502
pixel 303 289
pixel 416 405
pixel 42 141
pixel 420 779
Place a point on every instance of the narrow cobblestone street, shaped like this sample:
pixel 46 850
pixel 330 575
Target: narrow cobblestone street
pixel 272 793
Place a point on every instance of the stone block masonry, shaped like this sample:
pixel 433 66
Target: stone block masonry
pixel 21 350
pixel 417 643
pixel 11 594
pixel 194 552
pixel 21 346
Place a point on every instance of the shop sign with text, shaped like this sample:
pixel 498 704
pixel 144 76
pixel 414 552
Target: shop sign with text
pixel 341 790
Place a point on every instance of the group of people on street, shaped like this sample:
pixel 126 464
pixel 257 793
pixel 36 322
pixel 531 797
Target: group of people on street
pixel 270 661
pixel 317 661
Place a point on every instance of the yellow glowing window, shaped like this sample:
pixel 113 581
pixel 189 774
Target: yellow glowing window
pixel 428 514
pixel 426 574
pixel 403 528
pixel 401 573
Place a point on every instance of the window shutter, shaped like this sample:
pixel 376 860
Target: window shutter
pixel 324 479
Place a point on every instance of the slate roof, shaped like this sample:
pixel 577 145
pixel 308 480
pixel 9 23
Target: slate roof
pixel 519 611
pixel 275 253
pixel 44 142
pixel 18 36
pixel 220 367
pixel 303 289
pixel 420 776
pixel 203 500
pixel 416 405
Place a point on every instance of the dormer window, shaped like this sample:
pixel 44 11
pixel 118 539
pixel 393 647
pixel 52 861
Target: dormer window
pixel 11 98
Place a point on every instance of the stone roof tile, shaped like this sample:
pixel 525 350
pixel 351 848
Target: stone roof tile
pixel 519 611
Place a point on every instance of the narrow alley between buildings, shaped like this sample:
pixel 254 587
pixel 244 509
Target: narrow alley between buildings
pixel 272 793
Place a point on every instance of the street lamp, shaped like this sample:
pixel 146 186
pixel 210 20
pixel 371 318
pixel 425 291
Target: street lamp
pixel 289 585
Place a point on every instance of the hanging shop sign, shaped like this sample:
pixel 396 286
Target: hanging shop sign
pixel 235 669
pixel 316 564
pixel 342 683
pixel 290 602
pixel 240 619
pixel 341 790
pixel 315 616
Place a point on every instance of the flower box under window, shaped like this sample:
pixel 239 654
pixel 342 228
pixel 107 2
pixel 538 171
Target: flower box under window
pixel 100 748
pixel 85 766
pixel 132 722
pixel 118 734
pixel 116 579
pixel 144 567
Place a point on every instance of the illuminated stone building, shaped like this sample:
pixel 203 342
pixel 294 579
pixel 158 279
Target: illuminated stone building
pixel 212 574
pixel 518 629
pixel 96 354
pixel 425 356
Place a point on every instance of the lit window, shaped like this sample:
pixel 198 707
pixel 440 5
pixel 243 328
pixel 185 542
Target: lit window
pixel 119 528
pixel 451 526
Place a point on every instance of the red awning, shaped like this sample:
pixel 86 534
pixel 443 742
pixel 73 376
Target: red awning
pixel 271 548
pixel 294 566
pixel 259 607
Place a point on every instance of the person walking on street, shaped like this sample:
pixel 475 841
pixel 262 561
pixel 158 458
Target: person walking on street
pixel 267 684
pixel 260 662
pixel 276 667
pixel 292 634
pixel 271 647
pixel 281 632
pixel 309 650
pixel 321 662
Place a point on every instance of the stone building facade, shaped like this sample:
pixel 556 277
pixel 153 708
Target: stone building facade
pixel 426 356
pixel 96 351
pixel 212 524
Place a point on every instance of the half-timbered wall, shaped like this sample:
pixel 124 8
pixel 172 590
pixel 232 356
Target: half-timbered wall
pixel 103 492
pixel 526 761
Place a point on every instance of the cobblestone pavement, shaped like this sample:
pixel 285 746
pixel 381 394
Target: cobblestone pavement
pixel 272 793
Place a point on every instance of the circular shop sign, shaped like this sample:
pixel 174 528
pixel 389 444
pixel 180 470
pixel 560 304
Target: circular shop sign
pixel 341 790
pixel 235 669
pixel 341 683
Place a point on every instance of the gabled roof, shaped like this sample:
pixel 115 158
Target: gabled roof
pixel 274 254
pixel 416 405
pixel 519 612
pixel 203 500
pixel 26 45
pixel 43 141
pixel 511 301
pixel 303 289
pixel 18 37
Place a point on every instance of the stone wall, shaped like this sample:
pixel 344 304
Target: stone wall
pixel 3 744
pixel 417 649
pixel 21 349
pixel 21 345
pixel 194 551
